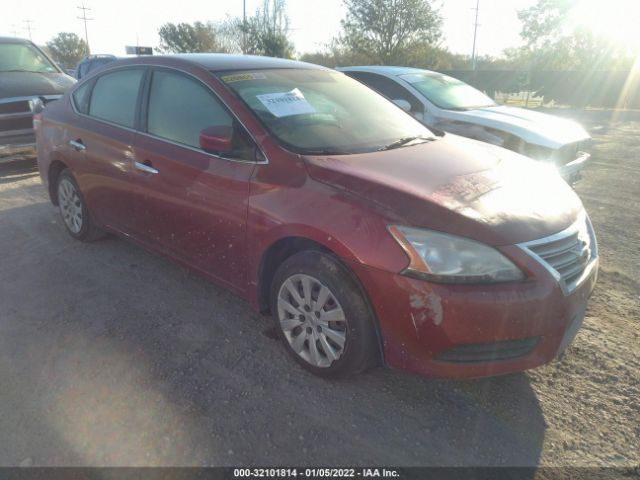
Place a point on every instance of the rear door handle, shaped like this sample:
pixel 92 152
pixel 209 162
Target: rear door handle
pixel 143 167
pixel 77 145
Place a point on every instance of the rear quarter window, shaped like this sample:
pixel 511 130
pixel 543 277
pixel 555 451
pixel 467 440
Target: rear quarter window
pixel 80 98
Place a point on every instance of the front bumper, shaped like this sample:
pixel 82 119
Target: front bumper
pixel 463 331
pixel 572 171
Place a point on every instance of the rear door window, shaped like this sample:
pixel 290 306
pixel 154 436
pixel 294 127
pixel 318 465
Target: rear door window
pixel 115 97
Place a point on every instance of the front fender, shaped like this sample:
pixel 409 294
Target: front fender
pixel 343 223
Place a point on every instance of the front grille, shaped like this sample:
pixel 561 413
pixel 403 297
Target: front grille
pixel 15 115
pixel 16 123
pixel 567 253
pixel 489 352
pixel 19 106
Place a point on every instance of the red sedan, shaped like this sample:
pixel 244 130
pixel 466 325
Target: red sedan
pixel 368 238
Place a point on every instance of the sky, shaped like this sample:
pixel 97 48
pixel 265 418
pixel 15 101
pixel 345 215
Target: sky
pixel 117 23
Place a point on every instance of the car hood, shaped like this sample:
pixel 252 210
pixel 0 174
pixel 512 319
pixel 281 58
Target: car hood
pixel 459 186
pixel 533 127
pixel 24 84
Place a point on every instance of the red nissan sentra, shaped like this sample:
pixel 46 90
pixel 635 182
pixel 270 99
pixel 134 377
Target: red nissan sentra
pixel 368 238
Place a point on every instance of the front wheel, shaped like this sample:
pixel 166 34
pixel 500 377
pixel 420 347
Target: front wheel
pixel 322 316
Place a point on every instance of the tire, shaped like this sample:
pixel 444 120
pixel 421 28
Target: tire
pixel 342 328
pixel 75 216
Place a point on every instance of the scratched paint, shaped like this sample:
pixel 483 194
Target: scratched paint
pixel 428 305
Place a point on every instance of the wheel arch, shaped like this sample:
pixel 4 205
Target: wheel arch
pixel 55 168
pixel 286 247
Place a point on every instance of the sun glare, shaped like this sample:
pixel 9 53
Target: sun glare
pixel 617 19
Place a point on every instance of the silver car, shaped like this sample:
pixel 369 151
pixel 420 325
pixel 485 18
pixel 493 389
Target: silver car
pixel 447 104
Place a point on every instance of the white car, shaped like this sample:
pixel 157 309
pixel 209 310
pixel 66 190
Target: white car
pixel 447 104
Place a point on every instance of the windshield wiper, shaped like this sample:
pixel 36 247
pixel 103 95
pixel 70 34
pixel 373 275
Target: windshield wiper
pixel 405 141
pixel 20 70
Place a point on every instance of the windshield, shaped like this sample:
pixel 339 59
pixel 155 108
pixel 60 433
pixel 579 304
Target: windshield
pixel 323 112
pixel 24 58
pixel 447 92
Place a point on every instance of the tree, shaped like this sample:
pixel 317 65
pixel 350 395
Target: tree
pixel 421 56
pixel 543 22
pixel 265 33
pixel 387 31
pixel 67 49
pixel 187 38
pixel 551 45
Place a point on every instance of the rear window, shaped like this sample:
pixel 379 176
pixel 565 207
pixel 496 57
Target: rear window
pixel 115 96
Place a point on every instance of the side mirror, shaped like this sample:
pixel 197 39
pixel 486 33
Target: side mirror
pixel 403 104
pixel 216 139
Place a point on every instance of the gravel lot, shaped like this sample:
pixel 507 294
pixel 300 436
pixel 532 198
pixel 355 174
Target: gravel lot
pixel 110 355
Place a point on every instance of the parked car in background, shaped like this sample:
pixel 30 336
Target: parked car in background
pixel 448 104
pixel 29 79
pixel 368 238
pixel 92 62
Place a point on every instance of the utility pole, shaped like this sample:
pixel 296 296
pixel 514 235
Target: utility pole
pixel 474 59
pixel 84 17
pixel 28 24
pixel 244 26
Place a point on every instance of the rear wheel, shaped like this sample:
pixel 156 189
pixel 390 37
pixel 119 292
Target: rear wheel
pixel 322 316
pixel 74 211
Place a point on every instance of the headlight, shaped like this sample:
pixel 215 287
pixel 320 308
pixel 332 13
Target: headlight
pixel 440 257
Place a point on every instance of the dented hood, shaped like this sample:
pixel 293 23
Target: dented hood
pixel 459 186
pixel 533 127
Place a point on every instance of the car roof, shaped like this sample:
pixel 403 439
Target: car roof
pixel 220 61
pixel 390 71
pixel 14 40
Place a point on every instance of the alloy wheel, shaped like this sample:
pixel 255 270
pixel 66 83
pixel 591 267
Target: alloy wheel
pixel 312 320
pixel 70 205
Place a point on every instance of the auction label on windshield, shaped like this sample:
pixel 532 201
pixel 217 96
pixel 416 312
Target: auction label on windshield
pixel 239 77
pixel 286 104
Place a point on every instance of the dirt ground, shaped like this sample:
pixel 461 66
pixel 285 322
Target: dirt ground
pixel 110 355
pixel 592 397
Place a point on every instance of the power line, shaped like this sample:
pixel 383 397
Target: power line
pixel 85 19
pixel 474 59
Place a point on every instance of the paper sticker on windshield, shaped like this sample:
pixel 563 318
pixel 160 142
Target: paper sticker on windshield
pixel 243 76
pixel 286 104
